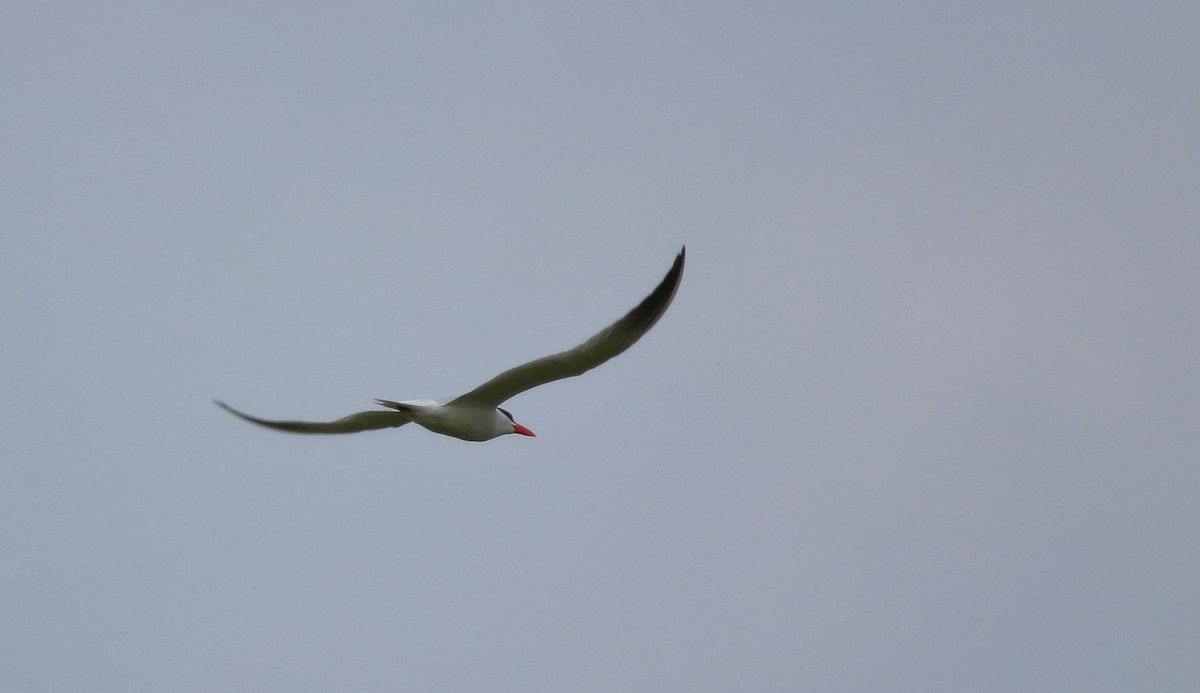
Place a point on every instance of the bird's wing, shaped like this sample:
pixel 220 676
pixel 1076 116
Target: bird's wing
pixel 362 421
pixel 601 347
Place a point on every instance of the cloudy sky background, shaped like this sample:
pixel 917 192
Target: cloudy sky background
pixel 924 415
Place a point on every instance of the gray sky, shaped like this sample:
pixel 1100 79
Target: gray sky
pixel 924 414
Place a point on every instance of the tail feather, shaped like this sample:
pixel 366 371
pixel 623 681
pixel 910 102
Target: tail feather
pixel 406 408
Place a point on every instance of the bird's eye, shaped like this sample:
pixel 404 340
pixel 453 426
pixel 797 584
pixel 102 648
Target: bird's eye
pixel 505 412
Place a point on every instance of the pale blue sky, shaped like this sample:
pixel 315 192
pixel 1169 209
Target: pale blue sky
pixel 924 415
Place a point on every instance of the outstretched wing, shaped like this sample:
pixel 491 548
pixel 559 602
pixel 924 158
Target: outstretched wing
pixel 602 346
pixel 362 421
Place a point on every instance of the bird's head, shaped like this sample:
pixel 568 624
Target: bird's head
pixel 516 427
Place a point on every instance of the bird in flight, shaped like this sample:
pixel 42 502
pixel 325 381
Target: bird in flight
pixel 476 415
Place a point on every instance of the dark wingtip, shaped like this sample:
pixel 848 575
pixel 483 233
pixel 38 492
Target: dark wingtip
pixel 652 307
pixel 231 410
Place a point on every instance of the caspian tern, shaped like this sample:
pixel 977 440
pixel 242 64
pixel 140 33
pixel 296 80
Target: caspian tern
pixel 476 415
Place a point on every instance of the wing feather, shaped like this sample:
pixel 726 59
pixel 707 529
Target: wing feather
pixel 362 421
pixel 601 347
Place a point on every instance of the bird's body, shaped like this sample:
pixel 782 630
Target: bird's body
pixel 467 422
pixel 476 415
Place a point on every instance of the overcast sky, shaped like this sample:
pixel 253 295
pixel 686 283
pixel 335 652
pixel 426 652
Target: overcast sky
pixel 923 416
